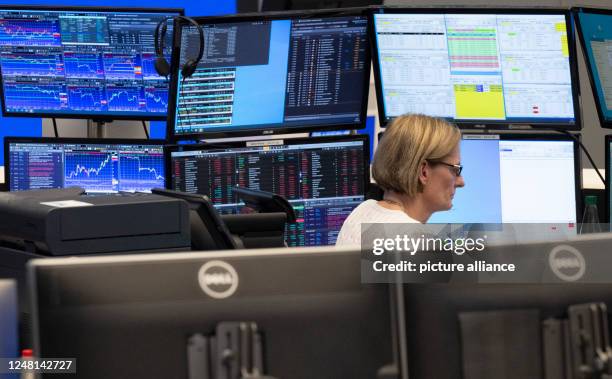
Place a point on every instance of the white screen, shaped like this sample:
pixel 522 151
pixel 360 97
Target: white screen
pixel 512 68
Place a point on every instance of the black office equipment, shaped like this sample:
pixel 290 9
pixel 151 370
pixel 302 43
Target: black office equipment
pixel 258 230
pixel 323 178
pixel 99 165
pixel 479 68
pixel 594 28
pixel 235 350
pixel 556 349
pixel 315 317
pixel 82 62
pixel 315 65
pixel 63 222
pixel 577 272
pixel 208 231
pixel 265 202
pixel 590 341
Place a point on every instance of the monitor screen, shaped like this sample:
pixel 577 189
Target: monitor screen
pixel 478 68
pixel 323 178
pixel 595 31
pixel 98 166
pixel 81 63
pixel 314 316
pixel 516 179
pixel 266 74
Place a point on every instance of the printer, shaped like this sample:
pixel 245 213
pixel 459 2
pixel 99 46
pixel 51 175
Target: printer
pixel 67 222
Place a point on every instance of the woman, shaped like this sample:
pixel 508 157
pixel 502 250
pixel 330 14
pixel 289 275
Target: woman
pixel 417 164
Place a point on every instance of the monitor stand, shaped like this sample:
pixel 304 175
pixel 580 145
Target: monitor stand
pixel 96 129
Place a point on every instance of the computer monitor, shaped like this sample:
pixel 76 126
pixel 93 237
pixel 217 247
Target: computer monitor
pixel 477 67
pixel 282 5
pixel 118 319
pixel 441 319
pixel 323 178
pixel 517 178
pixel 81 62
pixel 273 73
pixel 594 28
pixel 96 165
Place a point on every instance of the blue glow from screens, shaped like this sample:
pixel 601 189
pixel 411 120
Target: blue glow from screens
pixel 279 74
pixel 514 181
pixel 33 127
pixel 481 174
pixel 597 34
pixel 368 130
pixel 93 63
pixel 254 101
pixel 96 167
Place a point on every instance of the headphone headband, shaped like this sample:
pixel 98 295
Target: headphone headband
pixel 161 64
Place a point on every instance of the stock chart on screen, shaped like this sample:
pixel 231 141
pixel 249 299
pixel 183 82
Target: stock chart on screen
pixel 89 63
pixel 323 178
pixel 98 167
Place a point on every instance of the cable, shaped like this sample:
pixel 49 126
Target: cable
pixel 55 127
pixel 144 127
pixel 586 152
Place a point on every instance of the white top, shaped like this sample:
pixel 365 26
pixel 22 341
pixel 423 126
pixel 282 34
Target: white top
pixel 369 212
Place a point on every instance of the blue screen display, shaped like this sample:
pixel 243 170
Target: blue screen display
pixel 98 167
pixel 33 126
pixel 73 62
pixel 596 30
pixel 272 74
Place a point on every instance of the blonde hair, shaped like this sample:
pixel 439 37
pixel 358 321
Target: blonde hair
pixel 408 142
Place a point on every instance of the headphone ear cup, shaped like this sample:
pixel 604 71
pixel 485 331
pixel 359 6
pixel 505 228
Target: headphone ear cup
pixel 162 67
pixel 189 68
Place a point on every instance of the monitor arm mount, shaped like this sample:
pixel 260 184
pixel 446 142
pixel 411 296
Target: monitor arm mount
pixel 234 352
pixel 590 339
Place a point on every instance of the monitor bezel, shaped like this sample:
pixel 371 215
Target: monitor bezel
pixel 305 259
pixel 169 149
pixel 598 102
pixel 547 137
pixel 69 140
pixel 484 124
pixel 263 129
pixel 106 117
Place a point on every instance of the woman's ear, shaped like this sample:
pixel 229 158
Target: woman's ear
pixel 424 173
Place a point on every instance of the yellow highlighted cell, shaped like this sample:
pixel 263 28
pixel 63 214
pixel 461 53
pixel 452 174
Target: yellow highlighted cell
pixel 564 46
pixel 560 27
pixel 473 101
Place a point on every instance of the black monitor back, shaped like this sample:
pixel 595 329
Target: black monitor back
pixel 8 321
pixel 208 231
pixel 130 317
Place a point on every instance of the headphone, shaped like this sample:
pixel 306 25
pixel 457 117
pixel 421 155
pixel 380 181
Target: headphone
pixel 161 64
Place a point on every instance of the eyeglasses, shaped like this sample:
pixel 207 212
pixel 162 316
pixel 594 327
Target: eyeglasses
pixel 456 168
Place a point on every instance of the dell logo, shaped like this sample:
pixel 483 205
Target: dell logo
pixel 567 263
pixel 218 279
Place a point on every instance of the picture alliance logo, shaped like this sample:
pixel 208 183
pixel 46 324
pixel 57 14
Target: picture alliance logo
pixel 218 279
pixel 567 263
